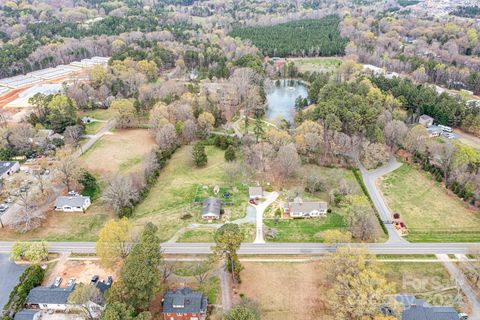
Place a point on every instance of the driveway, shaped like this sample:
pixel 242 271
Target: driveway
pixel 9 273
pixel 270 197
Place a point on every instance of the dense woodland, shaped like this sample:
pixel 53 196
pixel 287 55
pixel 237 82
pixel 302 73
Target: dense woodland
pixel 467 12
pixel 298 38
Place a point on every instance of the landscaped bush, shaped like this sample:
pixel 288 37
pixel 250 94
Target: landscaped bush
pixel 29 279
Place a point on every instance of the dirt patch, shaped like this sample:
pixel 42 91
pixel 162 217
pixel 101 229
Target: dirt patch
pixel 121 150
pixel 81 270
pixel 285 290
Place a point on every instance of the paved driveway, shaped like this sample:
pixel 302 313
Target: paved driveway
pixel 9 273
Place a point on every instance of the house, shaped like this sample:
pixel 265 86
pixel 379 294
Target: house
pixel 75 203
pixel 184 304
pixel 49 298
pixel 211 208
pixel 301 209
pixel 7 168
pixel 255 192
pixel 434 131
pixel 28 314
pixel 425 120
pixel 416 309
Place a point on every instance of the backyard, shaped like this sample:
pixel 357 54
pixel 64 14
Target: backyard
pixel 171 198
pixel 429 212
pixel 108 155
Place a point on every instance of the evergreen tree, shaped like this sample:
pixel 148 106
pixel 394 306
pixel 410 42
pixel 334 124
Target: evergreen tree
pixel 198 155
pixel 230 154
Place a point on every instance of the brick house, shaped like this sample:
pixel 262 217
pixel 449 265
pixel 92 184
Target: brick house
pixel 184 304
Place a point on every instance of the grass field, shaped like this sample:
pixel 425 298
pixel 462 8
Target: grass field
pixel 119 151
pixel 206 234
pixel 171 197
pixel 93 127
pixel 316 64
pixel 430 213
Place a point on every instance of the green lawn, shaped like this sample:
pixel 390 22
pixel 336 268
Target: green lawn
pixel 206 234
pixel 431 215
pixel 99 114
pixel 305 230
pixel 172 196
pixel 316 64
pixel 93 127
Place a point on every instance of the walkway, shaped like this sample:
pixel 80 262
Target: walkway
pixel 270 197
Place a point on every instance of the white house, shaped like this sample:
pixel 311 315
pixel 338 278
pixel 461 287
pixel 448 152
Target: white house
pixel 301 209
pixel 72 203
pixel 49 298
pixel 7 168
pixel 425 120
pixel 255 192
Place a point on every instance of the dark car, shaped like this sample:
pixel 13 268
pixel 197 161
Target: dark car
pixel 252 201
pixel 109 281
pixel 94 279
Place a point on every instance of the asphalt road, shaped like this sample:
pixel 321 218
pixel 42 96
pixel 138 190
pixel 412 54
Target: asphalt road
pixel 9 273
pixel 278 248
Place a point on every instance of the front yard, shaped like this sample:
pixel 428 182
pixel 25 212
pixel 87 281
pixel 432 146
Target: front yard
pixel 430 213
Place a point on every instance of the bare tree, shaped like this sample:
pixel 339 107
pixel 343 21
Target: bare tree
pixel 201 270
pixel 68 168
pixel 120 194
pixel 72 134
pixel 166 136
pixel 444 155
pixel 395 131
pixel 29 217
pixel 288 160
pixel 167 269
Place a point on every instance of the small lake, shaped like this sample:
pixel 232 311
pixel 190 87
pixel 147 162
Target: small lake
pixel 281 95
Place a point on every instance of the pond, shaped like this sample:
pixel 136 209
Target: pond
pixel 281 95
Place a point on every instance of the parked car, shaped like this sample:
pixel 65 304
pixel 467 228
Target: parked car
pixel 9 200
pixel 445 128
pixel 449 135
pixel 109 281
pixel 58 281
pixel 94 279
pixel 70 282
pixel 252 201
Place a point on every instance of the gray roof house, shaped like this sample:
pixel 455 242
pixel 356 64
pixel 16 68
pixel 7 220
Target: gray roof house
pixel 51 298
pixel 434 131
pixel 184 302
pixel 300 209
pixel 255 192
pixel 425 120
pixel 8 167
pixel 211 208
pixel 75 203
pixel 28 314
pixel 417 309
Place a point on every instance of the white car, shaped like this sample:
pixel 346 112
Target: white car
pixel 58 281
pixel 449 135
pixel 445 128
pixel 70 282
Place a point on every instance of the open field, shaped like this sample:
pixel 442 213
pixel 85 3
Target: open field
pixel 65 226
pixel 206 234
pixel 311 230
pixel 430 213
pixel 316 64
pixel 93 127
pixel 171 197
pixel 284 290
pixel 99 114
pixel 109 154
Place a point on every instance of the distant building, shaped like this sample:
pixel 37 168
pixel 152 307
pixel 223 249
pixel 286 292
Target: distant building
pixel 211 209
pixel 416 309
pixel 434 131
pixel 425 120
pixel 72 203
pixel 255 192
pixel 373 70
pixel 184 304
pixel 7 168
pixel 27 314
pixel 301 209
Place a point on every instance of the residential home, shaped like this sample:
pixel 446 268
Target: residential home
pixel 27 314
pixel 417 309
pixel 7 168
pixel 425 120
pixel 306 209
pixel 434 131
pixel 211 209
pixel 255 192
pixel 49 298
pixel 184 304
pixel 75 203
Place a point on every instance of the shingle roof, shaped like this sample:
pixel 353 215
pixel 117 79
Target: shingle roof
pixel 425 117
pixel 49 295
pixel 26 314
pixel 184 301
pixel 255 191
pixel 306 207
pixel 417 309
pixel 5 166
pixel 211 206
pixel 72 201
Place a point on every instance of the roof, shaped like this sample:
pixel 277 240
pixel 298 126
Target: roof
pixel 211 206
pixel 26 314
pixel 102 286
pixel 425 117
pixel 255 191
pixel 184 301
pixel 417 309
pixel 49 295
pixel 308 206
pixel 434 129
pixel 6 165
pixel 72 201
